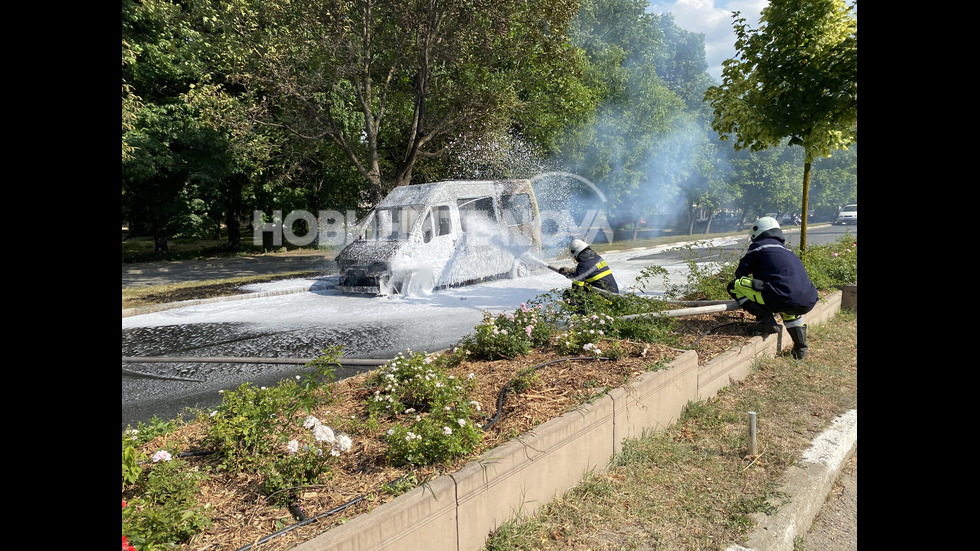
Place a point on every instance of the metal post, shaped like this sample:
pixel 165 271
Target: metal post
pixel 752 443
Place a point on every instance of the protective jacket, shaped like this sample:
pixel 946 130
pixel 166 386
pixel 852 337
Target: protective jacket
pixel 592 270
pixel 786 285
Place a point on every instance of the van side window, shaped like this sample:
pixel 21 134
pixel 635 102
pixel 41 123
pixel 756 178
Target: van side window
pixel 445 221
pixel 517 209
pixel 441 224
pixel 472 210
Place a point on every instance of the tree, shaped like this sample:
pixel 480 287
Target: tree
pixel 681 64
pixel 389 82
pixel 164 145
pixel 766 180
pixel 795 79
pixel 637 112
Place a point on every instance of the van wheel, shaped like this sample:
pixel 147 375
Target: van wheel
pixel 519 269
pixel 390 286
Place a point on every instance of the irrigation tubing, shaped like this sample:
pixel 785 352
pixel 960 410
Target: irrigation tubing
pixel 304 520
pixel 709 331
pixel 503 391
pixel 300 524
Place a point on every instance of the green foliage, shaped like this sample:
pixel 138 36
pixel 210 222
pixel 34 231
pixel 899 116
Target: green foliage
pixel 509 335
pixel 416 382
pixel 433 413
pixel 834 264
pixel 434 437
pixel 525 380
pixel 144 432
pixel 252 422
pixel 796 78
pixel 285 472
pixel 166 512
pixel 587 334
pixel 322 370
pixel 704 281
pixel 131 469
pixel 402 484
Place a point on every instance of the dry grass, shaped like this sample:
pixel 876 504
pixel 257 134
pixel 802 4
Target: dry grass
pixel 136 297
pixel 694 486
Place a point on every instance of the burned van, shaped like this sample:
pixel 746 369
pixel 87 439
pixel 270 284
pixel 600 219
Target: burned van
pixel 442 234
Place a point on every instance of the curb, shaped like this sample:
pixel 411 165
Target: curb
pixel 806 487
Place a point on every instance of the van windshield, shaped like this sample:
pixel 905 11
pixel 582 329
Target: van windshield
pixel 850 208
pixel 391 223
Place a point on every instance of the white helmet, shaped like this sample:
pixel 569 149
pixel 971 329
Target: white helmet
pixel 763 225
pixel 577 246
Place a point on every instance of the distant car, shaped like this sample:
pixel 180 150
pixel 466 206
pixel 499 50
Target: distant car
pixel 848 215
pixel 721 221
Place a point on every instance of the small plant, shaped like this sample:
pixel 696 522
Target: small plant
pixel 706 280
pixel 165 512
pixel 832 265
pixel 302 461
pixel 525 380
pixel 402 484
pixel 436 437
pixel 509 335
pixel 250 423
pixel 144 432
pixel 253 422
pixel 131 469
pixel 587 334
pixel 322 370
pixel 416 382
pixel 433 411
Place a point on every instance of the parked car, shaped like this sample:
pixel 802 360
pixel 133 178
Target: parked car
pixel 848 215
pixel 721 221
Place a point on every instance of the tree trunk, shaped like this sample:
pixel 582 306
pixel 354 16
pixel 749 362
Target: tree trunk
pixel 160 245
pixel 233 211
pixel 806 205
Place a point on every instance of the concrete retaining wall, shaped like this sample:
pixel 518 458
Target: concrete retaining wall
pixel 458 512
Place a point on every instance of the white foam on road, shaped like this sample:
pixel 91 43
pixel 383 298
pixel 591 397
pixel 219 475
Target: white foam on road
pixel 445 309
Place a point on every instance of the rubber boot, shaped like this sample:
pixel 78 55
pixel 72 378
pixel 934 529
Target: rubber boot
pixel 798 334
pixel 765 321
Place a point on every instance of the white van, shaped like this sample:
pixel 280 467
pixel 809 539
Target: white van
pixel 442 234
pixel 848 215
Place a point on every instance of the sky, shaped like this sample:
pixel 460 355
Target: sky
pixel 713 19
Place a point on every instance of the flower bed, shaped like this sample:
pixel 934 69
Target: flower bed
pixel 361 476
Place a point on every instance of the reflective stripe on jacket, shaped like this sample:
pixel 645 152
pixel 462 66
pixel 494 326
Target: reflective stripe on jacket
pixel 592 270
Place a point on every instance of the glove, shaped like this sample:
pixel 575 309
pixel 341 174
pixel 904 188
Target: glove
pixel 567 272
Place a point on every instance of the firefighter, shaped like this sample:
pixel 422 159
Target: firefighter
pixel 590 272
pixel 770 279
